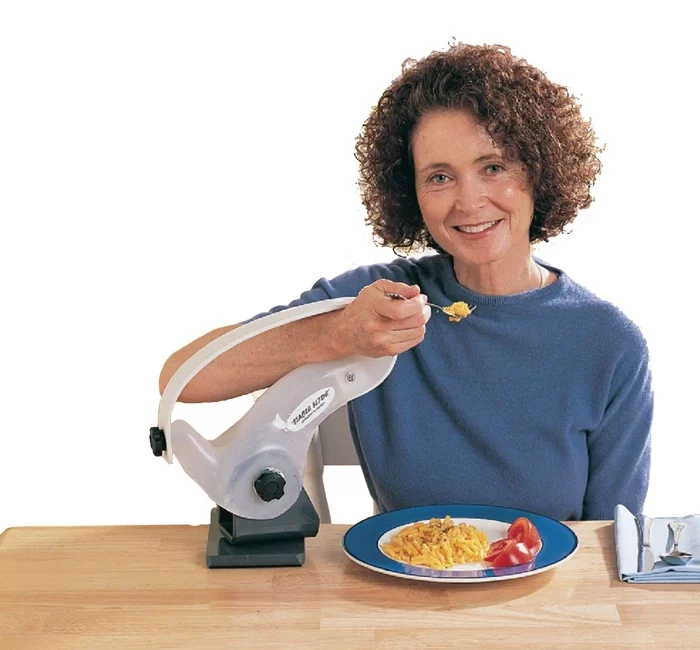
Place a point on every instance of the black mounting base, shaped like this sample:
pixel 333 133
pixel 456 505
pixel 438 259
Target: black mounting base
pixel 238 542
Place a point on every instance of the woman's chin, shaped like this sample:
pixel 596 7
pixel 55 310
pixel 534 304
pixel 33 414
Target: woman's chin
pixel 477 256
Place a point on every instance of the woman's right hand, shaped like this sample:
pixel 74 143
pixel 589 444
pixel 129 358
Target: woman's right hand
pixel 375 325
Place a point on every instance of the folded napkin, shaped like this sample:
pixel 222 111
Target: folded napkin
pixel 628 541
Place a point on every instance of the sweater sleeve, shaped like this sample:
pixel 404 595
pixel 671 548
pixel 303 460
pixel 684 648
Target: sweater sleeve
pixel 619 448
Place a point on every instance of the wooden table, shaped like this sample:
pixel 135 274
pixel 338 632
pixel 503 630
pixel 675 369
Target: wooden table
pixel 145 587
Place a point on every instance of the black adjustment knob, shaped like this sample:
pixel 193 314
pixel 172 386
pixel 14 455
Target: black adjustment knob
pixel 270 485
pixel 157 438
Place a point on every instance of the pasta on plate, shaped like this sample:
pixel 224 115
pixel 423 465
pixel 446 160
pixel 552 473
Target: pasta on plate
pixel 438 544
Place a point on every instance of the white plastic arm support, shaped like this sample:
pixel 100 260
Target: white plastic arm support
pixel 277 431
pixel 218 346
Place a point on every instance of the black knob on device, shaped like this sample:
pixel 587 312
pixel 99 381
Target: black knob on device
pixel 270 485
pixel 157 438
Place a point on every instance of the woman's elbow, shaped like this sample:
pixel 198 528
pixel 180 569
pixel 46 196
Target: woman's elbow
pixel 166 374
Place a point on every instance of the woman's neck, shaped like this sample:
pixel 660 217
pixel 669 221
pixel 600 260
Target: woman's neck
pixel 501 278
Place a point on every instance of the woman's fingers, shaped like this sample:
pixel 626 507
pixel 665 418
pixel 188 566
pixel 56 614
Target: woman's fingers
pixel 394 309
pixel 376 325
pixel 413 322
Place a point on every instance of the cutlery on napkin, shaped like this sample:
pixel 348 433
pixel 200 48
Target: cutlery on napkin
pixel 640 563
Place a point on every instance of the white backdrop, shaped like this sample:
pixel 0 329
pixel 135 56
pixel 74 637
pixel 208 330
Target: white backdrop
pixel 170 167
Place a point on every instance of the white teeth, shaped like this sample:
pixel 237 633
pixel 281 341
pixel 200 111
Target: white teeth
pixel 479 228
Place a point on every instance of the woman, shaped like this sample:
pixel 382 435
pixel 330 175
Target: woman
pixel 540 400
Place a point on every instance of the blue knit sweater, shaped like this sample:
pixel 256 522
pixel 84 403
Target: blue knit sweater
pixel 540 400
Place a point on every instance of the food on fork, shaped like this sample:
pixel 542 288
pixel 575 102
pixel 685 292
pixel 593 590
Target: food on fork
pixel 458 310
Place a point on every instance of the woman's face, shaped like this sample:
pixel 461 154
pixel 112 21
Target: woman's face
pixel 475 204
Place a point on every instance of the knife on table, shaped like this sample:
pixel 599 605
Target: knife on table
pixel 646 559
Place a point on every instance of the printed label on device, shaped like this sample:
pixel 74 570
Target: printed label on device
pixel 310 409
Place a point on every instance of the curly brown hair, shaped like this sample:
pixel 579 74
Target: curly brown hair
pixel 534 120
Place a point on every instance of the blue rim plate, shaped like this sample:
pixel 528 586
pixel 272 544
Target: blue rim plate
pixel 362 542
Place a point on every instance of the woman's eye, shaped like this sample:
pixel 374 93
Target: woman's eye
pixel 494 168
pixel 440 179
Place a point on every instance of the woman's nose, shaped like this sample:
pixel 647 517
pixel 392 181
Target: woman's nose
pixel 471 195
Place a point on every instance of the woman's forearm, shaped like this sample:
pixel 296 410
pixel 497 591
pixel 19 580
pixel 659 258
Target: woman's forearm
pixel 372 325
pixel 258 362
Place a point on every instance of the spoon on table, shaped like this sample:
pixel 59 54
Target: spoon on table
pixel 676 556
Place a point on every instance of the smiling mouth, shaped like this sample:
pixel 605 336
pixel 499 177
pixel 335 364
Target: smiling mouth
pixel 480 227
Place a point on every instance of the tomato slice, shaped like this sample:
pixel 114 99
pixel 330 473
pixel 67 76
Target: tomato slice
pixel 523 530
pixel 512 554
pixel 496 547
pixel 519 547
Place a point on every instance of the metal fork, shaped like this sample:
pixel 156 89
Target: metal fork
pixel 398 296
